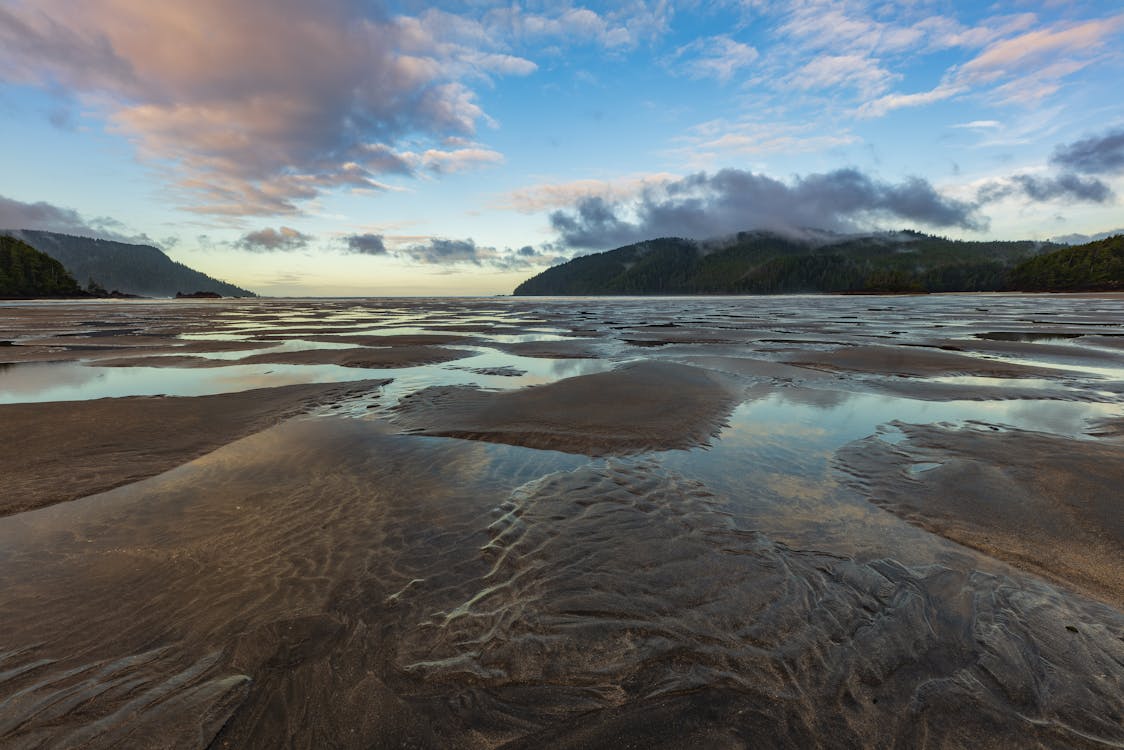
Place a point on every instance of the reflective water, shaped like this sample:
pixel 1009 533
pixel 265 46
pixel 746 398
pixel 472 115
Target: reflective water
pixel 333 581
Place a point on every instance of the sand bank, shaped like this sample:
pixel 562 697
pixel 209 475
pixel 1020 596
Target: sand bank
pixel 639 407
pixel 913 361
pixel 1042 502
pixel 361 356
pixel 71 449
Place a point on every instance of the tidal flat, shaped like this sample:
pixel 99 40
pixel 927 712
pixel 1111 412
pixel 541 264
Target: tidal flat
pixel 793 521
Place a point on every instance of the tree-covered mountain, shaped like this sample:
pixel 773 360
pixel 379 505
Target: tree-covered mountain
pixel 132 269
pixel 763 262
pixel 1095 266
pixel 26 272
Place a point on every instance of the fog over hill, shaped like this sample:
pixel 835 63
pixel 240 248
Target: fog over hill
pixel 769 262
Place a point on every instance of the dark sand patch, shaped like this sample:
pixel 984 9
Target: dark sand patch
pixel 913 361
pixel 65 352
pixel 928 390
pixel 19 354
pixel 364 357
pixel 60 451
pixel 1110 429
pixel 163 360
pixel 1063 353
pixel 397 339
pixel 571 349
pixel 662 336
pixel 754 368
pixel 1045 503
pixel 639 407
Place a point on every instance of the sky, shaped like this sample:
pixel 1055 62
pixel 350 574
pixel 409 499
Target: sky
pixel 347 147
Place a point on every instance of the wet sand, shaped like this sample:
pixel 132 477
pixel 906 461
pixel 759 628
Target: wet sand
pixel 1026 497
pixel 780 522
pixel 66 450
pixel 648 406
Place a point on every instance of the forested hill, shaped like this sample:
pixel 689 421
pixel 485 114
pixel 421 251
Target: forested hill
pixel 132 269
pixel 1096 266
pixel 768 263
pixel 26 272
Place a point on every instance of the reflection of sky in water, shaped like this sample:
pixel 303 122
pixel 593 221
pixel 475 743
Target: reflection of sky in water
pixel 75 381
pixel 840 417
pixel 774 463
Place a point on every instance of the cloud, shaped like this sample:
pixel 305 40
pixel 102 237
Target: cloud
pixel 1081 239
pixel 547 196
pixel 1103 154
pixel 271 240
pixel 443 252
pixel 885 104
pixel 254 107
pixel 44 216
pixel 718 141
pixel 717 57
pixel 437 251
pixel 859 72
pixel 1021 69
pixel 1066 186
pixel 731 200
pixel 459 160
pixel 366 244
pixel 47 217
pixel 622 28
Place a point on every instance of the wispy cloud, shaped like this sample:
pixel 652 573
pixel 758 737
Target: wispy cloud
pixel 718 57
pixel 863 74
pixel 719 141
pixel 1022 69
pixel 552 195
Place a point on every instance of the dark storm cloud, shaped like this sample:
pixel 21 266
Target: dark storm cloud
pixel 1066 186
pixel 366 244
pixel 703 205
pixel 271 240
pixel 1103 154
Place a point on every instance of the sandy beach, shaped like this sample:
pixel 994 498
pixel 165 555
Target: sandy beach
pixel 484 523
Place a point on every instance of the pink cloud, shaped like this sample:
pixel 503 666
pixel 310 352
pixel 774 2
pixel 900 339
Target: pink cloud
pixel 258 105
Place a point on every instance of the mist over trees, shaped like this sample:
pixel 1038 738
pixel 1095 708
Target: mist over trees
pixel 763 262
pixel 1095 266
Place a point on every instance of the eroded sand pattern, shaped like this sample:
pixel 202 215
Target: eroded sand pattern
pixel 738 522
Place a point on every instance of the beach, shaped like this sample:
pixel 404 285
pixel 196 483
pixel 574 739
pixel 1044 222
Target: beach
pixel 791 521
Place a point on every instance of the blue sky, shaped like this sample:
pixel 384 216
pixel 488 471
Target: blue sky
pixel 349 147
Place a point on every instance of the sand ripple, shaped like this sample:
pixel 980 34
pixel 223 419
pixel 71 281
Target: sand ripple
pixel 619 590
